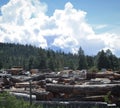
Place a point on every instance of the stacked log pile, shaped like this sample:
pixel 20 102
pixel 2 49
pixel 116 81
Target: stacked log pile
pixel 84 90
pixel 96 87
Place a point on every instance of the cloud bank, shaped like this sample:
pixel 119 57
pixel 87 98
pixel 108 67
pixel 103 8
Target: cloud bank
pixel 26 22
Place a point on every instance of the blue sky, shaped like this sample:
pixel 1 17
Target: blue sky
pixel 64 24
pixel 99 12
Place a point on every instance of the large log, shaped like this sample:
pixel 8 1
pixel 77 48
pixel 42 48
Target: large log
pixel 81 89
pixel 24 85
pixel 104 75
pixel 19 91
pixel 43 95
pixel 15 80
pixel 36 78
pixel 41 83
pixel 71 104
pixel 116 76
pixel 109 75
pixel 40 95
pixel 90 75
pixel 59 88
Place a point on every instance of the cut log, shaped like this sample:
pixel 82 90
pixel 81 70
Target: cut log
pixel 24 85
pixel 41 83
pixel 90 76
pixel 36 78
pixel 20 91
pixel 71 104
pixel 15 80
pixel 93 89
pixel 81 89
pixel 116 76
pixel 109 75
pixel 23 96
pixel 58 88
pixel 43 95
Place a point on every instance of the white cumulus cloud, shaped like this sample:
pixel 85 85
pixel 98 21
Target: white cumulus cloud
pixel 102 26
pixel 26 22
pixel 21 20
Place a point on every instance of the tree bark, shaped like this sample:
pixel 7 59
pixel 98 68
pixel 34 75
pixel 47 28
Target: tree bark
pixel 81 89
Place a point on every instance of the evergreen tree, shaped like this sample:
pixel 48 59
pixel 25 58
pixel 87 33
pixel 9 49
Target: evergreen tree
pixel 103 60
pixel 30 63
pixel 30 57
pixel 90 61
pixel 1 66
pixel 82 59
pixel 42 60
pixel 113 60
pixel 51 64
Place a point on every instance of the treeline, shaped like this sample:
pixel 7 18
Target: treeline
pixel 30 57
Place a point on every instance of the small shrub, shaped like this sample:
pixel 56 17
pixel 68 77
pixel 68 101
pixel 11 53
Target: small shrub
pixel 107 97
pixel 93 69
pixel 9 101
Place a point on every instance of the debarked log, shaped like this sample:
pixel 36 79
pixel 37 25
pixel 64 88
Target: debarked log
pixel 81 89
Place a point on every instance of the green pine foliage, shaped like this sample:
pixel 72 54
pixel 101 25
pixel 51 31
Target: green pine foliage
pixel 82 59
pixel 107 60
pixel 31 57
pixel 9 101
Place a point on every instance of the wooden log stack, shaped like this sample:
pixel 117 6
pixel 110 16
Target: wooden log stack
pixel 83 92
